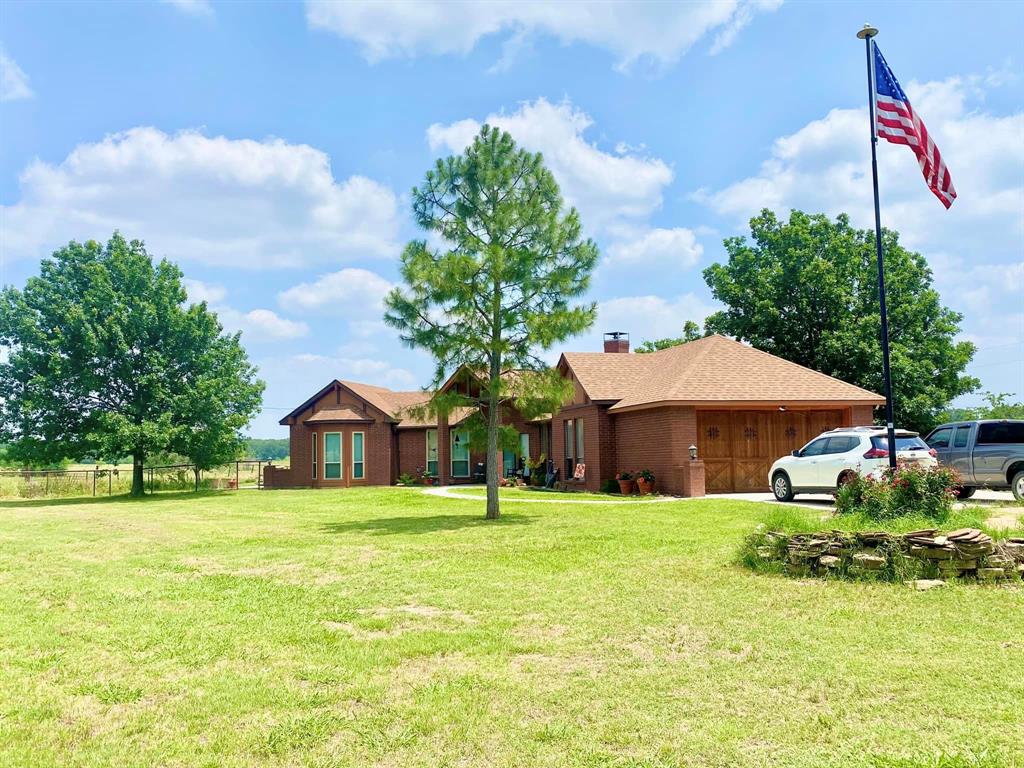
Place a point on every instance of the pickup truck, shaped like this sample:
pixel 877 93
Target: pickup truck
pixel 986 454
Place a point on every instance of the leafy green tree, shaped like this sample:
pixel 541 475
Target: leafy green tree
pixel 105 359
pixel 806 289
pixel 691 332
pixel 499 287
pixel 209 429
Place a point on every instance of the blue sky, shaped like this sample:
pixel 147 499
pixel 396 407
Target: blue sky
pixel 270 148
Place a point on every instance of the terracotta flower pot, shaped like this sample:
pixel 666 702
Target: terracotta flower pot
pixel 646 486
pixel 626 487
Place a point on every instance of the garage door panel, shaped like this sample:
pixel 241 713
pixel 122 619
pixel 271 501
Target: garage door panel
pixel 750 474
pixel 789 432
pixel 823 421
pixel 750 435
pixel 713 434
pixel 718 475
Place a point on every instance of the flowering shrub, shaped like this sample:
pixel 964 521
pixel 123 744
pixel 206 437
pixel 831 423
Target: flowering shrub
pixel 909 490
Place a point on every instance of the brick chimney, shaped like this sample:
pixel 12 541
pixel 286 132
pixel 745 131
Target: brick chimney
pixel 616 341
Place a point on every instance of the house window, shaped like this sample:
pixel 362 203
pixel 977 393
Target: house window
pixel 570 440
pixel 332 456
pixel 573 446
pixel 460 454
pixel 358 465
pixel 432 452
pixel 314 455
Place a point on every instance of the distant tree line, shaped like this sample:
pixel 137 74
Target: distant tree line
pixel 267 449
pixel 997 406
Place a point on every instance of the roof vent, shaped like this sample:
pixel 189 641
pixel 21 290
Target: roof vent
pixel 616 341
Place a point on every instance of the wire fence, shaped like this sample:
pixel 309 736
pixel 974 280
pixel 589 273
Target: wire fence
pixel 111 481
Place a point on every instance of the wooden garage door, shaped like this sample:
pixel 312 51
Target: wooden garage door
pixel 738 447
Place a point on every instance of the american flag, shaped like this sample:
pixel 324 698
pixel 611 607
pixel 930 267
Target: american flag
pixel 896 122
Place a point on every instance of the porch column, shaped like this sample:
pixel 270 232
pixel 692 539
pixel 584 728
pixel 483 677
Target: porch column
pixel 444 448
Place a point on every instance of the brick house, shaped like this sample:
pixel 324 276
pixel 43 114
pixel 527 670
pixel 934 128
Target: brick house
pixel 742 408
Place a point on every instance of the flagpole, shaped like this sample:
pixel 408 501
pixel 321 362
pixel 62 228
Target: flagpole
pixel 866 34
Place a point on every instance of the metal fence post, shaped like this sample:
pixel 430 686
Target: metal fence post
pixel 110 482
pixel 94 482
pixel 47 476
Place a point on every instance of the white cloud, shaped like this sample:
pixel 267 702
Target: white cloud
pixel 13 80
pixel 198 291
pixel 357 293
pixel 642 317
pixel 641 30
pixel 261 324
pixel 607 188
pixel 825 166
pixel 232 202
pixel 192 7
pixel 676 247
pixel 974 248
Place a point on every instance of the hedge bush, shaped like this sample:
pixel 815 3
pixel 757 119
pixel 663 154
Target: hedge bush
pixel 909 490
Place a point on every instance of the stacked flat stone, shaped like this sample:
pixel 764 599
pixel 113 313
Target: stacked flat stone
pixel 1011 551
pixel 965 553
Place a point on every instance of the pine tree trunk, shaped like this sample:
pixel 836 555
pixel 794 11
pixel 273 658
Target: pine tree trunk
pixel 138 481
pixel 493 465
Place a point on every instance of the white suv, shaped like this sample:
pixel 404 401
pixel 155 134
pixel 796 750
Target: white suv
pixel 823 464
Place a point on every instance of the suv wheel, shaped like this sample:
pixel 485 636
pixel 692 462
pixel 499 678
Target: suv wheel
pixel 783 488
pixel 965 491
pixel 1018 486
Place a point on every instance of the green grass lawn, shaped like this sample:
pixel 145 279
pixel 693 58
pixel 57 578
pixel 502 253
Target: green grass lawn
pixel 383 627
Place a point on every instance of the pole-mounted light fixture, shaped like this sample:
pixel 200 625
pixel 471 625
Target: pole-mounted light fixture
pixel 693 453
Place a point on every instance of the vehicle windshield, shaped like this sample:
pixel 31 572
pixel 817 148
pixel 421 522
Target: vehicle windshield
pixel 902 443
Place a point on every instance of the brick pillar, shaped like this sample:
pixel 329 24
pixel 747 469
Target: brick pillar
pixel 692 473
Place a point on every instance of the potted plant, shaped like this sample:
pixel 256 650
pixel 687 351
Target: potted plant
pixel 645 481
pixel 626 483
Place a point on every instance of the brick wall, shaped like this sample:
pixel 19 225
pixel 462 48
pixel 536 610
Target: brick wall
pixel 862 415
pixel 657 439
pixel 598 443
pixel 378 446
pixel 412 451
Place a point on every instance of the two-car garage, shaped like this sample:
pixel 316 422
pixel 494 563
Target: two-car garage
pixel 739 446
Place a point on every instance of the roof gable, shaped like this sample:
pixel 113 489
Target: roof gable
pixel 389 402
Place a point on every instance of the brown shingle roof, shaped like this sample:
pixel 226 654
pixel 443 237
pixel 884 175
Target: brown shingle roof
pixel 338 413
pixel 607 376
pixel 716 369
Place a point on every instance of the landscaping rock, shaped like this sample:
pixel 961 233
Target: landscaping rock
pixel 868 561
pixel 965 553
pixel 991 574
pixel 922 585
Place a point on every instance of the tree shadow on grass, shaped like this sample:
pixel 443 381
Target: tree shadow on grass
pixel 387 526
pixel 124 498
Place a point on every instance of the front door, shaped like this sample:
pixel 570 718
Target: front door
pixel 508 463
